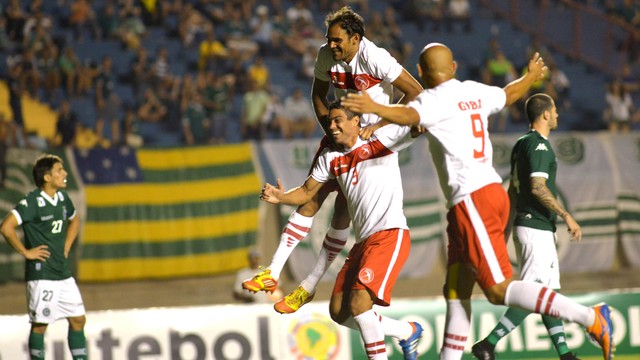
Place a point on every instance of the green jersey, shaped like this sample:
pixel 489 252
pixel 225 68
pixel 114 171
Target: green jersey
pixel 44 221
pixel 533 156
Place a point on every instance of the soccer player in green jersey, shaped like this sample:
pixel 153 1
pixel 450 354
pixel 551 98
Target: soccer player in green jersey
pixel 534 208
pixel 50 224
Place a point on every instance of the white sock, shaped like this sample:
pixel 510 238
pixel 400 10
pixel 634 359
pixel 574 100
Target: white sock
pixel 297 228
pixel 398 329
pixel 456 329
pixel 333 243
pixel 391 327
pixel 542 300
pixel 372 335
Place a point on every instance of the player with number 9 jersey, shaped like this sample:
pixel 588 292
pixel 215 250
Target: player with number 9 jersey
pixel 456 114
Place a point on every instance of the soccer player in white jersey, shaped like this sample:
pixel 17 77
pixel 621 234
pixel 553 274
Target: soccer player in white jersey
pixel 351 63
pixel 454 114
pixel 368 173
pixel 50 224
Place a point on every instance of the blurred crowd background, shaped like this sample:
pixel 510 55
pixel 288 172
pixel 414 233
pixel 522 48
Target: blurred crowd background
pixel 163 73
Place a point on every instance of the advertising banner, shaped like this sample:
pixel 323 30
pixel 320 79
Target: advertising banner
pixel 252 332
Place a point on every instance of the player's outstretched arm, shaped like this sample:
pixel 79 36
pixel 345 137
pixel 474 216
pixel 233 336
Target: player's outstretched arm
pixel 297 196
pixel 397 114
pixel 536 70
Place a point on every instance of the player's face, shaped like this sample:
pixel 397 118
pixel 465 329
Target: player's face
pixel 553 120
pixel 343 47
pixel 58 176
pixel 343 130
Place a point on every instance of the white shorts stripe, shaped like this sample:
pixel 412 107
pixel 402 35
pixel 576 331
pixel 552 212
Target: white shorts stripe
pixel 485 242
pixel 392 263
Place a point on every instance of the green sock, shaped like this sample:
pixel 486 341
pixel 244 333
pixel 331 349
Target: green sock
pixel 36 346
pixel 77 344
pixel 556 331
pixel 512 318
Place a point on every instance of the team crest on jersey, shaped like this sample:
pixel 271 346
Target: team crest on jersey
pixel 361 82
pixel 366 275
pixel 542 146
pixel 41 202
pixel 365 152
pixel 46 312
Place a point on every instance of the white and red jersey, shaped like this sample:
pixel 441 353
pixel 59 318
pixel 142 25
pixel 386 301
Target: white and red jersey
pixel 372 69
pixel 369 176
pixel 455 114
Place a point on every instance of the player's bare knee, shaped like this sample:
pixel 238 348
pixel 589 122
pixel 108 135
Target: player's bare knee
pixel 77 322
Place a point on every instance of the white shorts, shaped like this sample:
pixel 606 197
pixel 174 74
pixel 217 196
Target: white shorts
pixel 51 300
pixel 537 255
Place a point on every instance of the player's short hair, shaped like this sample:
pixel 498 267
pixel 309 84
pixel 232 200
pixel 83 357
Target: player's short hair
pixel 336 105
pixel 349 20
pixel 43 165
pixel 537 104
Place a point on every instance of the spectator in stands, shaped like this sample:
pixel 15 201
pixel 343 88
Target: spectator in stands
pixel 458 11
pixel 38 39
pixel 109 22
pixel 30 76
pixel 307 63
pixel 107 101
pixel 212 53
pixel 139 74
pixel 423 12
pixel 196 125
pixel 151 109
pixel 38 17
pixel 82 19
pixel 498 70
pixel 15 102
pixel 132 29
pixel 560 89
pixel 628 11
pixel 160 67
pixel 130 127
pixel 298 11
pixel 259 73
pixel 298 116
pixel 238 35
pixel 66 126
pixel 217 100
pixel 48 67
pixel 16 17
pixel 5 41
pixel 169 93
pixel 192 23
pixel 69 68
pixel 619 108
pixel 254 106
pixel 262 30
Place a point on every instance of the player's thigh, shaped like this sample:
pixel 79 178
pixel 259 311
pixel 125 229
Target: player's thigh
pixel 537 256
pixel 476 235
pixel 383 255
pixel 42 300
pixel 340 218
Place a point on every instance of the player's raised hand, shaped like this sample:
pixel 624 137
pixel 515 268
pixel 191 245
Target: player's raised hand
pixel 360 103
pixel 271 193
pixel 38 253
pixel 537 66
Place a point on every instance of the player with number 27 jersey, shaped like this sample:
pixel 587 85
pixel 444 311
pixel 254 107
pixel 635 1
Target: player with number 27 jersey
pixel 455 114
pixel 49 218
